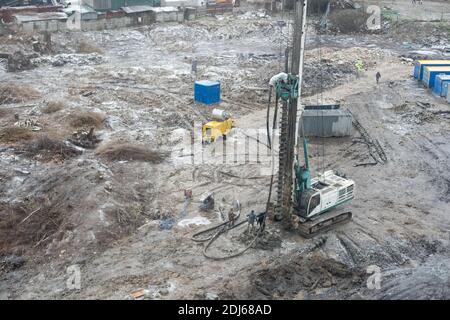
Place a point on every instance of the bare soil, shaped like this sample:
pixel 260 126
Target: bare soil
pixel 125 223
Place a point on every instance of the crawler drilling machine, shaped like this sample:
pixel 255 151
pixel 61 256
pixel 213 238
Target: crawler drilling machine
pixel 303 203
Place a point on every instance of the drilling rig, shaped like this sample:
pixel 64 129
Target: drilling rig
pixel 303 203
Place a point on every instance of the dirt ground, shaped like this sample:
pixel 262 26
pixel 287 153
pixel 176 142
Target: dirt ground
pixel 114 207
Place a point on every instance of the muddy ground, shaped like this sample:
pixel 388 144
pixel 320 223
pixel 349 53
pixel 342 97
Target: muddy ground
pixel 117 213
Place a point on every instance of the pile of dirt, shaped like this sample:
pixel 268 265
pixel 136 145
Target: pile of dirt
pixel 86 119
pixel 86 47
pixel 130 152
pixel 15 134
pixel 426 34
pixel 321 76
pixel 300 277
pixel 53 106
pixel 17 93
pixel 267 240
pixel 19 61
pixel 48 149
pixel 348 21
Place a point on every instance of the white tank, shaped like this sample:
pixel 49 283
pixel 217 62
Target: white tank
pixel 220 115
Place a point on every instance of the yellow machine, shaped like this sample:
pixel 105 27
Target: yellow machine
pixel 219 127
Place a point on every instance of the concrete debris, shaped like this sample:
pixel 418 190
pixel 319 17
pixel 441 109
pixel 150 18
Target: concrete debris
pixel 197 221
pixel 85 139
pixel 254 14
pixel 32 124
pixel 211 296
pixel 70 59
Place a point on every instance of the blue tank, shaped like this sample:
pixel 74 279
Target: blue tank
pixel 207 92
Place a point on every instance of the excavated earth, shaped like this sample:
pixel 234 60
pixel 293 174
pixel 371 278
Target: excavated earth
pixel 115 209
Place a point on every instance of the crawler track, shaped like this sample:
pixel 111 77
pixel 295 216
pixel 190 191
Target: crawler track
pixel 328 221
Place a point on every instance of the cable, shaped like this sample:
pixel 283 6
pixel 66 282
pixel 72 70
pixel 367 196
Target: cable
pixel 195 235
pixel 272 153
pixel 217 235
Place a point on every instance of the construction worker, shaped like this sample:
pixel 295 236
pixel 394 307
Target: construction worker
pixel 378 77
pixel 194 67
pixel 231 217
pixel 251 220
pixel 359 67
pixel 261 221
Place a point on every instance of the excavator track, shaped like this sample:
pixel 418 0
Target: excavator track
pixel 323 223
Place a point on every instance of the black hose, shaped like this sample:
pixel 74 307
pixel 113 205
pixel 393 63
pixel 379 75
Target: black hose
pixel 274 126
pixel 218 234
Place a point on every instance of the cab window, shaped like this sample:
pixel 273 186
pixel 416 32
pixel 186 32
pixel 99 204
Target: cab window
pixel 314 202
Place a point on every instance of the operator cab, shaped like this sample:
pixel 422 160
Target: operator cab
pixel 327 191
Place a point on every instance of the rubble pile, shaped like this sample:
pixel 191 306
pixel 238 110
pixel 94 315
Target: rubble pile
pixel 71 59
pixel 325 75
pixel 19 61
pixel 348 21
pixel 262 13
pixel 29 123
pixel 334 66
pixel 426 34
pixel 85 139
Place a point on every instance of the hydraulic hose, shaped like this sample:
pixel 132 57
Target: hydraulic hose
pixel 274 126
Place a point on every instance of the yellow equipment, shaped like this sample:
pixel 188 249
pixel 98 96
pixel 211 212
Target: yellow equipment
pixel 217 128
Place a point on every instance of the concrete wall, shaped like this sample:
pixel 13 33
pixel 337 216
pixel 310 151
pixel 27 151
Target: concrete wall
pixel 144 18
pixel 102 24
pixel 41 26
pixel 183 3
pixel 90 25
pixel 169 16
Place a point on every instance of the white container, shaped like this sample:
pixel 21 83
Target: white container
pixel 220 115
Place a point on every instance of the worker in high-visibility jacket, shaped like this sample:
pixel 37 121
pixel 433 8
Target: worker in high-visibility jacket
pixel 359 67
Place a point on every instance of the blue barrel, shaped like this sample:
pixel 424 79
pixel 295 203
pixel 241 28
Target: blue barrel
pixel 207 92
